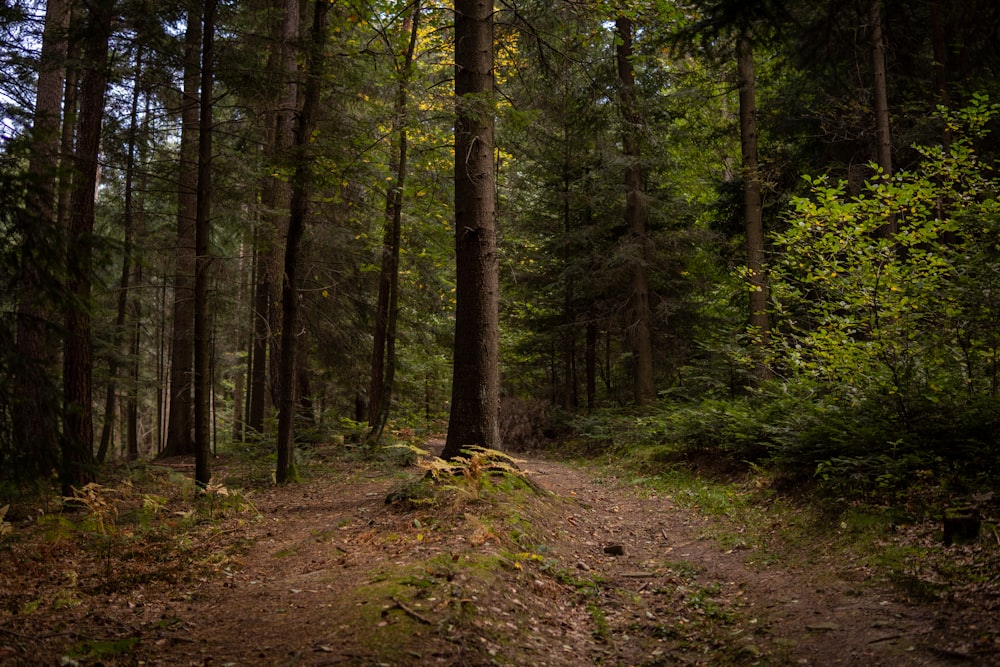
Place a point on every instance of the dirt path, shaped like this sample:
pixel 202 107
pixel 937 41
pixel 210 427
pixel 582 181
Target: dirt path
pixel 287 604
pixel 595 573
pixel 804 617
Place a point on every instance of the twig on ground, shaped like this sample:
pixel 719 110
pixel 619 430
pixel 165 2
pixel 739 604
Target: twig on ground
pixel 411 613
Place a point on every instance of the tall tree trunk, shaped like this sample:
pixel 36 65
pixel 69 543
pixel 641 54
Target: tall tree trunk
pixel 78 426
pixel 35 419
pixel 591 361
pixel 298 211
pixel 475 389
pixel 303 392
pixel 257 373
pixel 883 147
pixel 241 374
pixel 275 200
pixel 128 223
pixel 70 105
pixel 132 404
pixel 283 154
pixel 753 211
pixel 383 356
pixel 180 406
pixel 570 400
pixel 135 303
pixel 202 329
pixel 636 212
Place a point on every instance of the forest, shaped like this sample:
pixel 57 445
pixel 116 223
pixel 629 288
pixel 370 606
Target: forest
pixel 762 231
pixel 751 240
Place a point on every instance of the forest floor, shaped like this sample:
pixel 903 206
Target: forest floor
pixel 588 569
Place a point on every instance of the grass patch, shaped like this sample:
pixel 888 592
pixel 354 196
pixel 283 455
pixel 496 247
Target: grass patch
pixel 102 649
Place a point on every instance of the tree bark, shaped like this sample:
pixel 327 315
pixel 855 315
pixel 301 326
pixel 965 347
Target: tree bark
pixel 78 425
pixel 383 355
pixel 298 211
pixel 70 105
pixel 570 399
pixel 753 213
pixel 883 140
pixel 180 407
pixel 35 420
pixel 591 362
pixel 636 213
pixel 257 382
pixel 282 66
pixel 128 218
pixel 202 328
pixel 475 399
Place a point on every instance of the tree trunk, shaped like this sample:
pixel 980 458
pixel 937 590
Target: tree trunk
pixel 241 373
pixel 752 205
pixel 180 406
pixel 128 220
pixel 275 201
pixel 70 105
pixel 591 361
pixel 202 329
pixel 883 148
pixel 883 139
pixel 299 209
pixel 283 154
pixel 475 399
pixel 636 212
pixel 35 419
pixel 303 392
pixel 570 399
pixel 132 405
pixel 78 424
pixel 135 303
pixel 383 356
pixel 258 346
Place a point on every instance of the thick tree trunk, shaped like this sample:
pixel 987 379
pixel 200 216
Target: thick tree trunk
pixel 78 424
pixel 636 212
pixel 35 419
pixel 180 407
pixel 202 329
pixel 475 393
pixel 753 211
pixel 384 354
pixel 299 209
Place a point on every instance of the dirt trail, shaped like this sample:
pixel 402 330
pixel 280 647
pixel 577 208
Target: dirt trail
pixel 803 617
pixel 287 604
pixel 596 573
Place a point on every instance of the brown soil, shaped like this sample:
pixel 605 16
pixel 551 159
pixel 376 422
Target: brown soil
pixel 326 573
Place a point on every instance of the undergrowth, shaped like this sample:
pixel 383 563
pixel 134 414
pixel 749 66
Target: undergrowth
pixel 478 474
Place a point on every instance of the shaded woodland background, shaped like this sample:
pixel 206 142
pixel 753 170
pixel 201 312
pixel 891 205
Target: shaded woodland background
pixel 668 276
